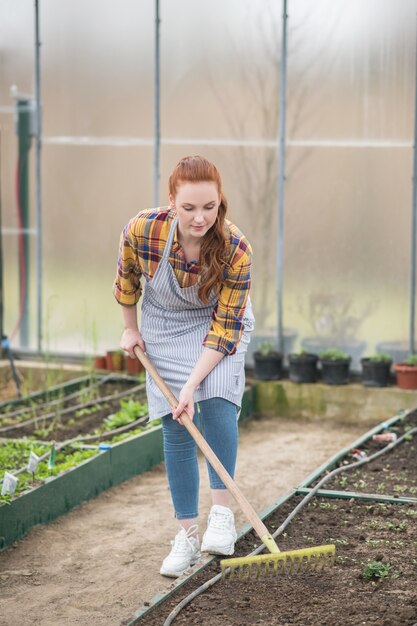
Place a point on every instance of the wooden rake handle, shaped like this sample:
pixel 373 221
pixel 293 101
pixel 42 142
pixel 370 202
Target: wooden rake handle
pixel 246 507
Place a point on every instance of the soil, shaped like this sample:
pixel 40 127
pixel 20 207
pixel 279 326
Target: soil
pixel 100 562
pixel 393 474
pixel 35 376
pixel 65 426
pixel 361 532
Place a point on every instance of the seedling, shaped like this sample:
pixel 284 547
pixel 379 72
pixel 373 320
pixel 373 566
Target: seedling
pixel 340 542
pixel 328 506
pixel 411 360
pixel 376 569
pixel 266 348
pixel 382 357
pixel 333 354
pixel 401 527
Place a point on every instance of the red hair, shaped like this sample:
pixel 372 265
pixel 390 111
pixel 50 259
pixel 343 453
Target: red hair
pixel 214 246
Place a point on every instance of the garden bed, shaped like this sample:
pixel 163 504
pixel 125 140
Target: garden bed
pixel 69 410
pixel 392 474
pixel 369 538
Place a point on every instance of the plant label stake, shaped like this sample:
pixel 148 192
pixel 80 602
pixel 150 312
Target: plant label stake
pixel 33 463
pixel 9 484
pixel 51 460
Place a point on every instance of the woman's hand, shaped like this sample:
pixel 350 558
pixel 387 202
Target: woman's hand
pixel 185 402
pixel 131 338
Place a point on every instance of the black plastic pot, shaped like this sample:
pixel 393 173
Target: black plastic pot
pixel 335 371
pixel 268 366
pixel 303 368
pixel 375 373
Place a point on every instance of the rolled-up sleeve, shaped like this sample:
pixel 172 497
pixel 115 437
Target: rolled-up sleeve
pixel 126 287
pixel 227 318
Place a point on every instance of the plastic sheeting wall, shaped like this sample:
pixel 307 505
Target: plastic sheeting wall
pixel 351 69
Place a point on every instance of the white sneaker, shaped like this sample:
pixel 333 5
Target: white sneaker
pixel 184 553
pixel 220 535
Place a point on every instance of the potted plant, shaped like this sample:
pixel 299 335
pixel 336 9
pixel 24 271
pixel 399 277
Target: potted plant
pixel 407 372
pixel 335 365
pixel 303 367
pixel 268 362
pixel 376 370
pixel 115 360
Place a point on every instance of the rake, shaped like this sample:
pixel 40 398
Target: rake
pixel 291 561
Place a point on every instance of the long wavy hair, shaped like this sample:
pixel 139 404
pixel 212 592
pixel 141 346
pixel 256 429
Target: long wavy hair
pixel 215 244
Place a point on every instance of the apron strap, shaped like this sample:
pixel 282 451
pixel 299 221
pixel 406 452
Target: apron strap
pixel 170 239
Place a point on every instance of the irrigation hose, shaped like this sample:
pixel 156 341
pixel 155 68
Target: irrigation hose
pixel 212 581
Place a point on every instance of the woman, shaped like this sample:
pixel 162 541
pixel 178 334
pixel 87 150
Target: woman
pixel 196 320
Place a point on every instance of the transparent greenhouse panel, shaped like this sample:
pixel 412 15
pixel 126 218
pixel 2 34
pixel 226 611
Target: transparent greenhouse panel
pixel 347 249
pixel 89 196
pixel 98 70
pixel 217 70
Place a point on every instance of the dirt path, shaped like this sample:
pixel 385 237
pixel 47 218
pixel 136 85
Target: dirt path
pixel 100 562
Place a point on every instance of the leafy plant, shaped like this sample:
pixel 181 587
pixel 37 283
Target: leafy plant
pixel 401 527
pixel 411 360
pixel 266 348
pixel 129 412
pixel 301 354
pixel 376 569
pixel 333 354
pixel 382 357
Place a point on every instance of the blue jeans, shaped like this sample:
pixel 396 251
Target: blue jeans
pixel 217 420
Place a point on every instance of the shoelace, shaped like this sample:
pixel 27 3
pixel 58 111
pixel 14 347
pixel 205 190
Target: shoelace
pixel 182 542
pixel 221 521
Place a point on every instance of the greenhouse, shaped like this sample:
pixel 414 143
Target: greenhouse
pixel 308 111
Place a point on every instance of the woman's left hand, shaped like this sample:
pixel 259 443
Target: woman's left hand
pixel 185 403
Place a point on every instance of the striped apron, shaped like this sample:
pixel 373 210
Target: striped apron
pixel 173 326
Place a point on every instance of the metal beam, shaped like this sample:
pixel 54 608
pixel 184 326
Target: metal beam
pixel 281 172
pixel 38 176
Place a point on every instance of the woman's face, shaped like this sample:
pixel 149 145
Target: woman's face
pixel 197 206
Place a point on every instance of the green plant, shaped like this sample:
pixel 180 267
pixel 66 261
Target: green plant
pixel 333 354
pixel 266 348
pixel 382 357
pixel 401 527
pixel 411 360
pixel 129 412
pixel 375 569
pixel 301 354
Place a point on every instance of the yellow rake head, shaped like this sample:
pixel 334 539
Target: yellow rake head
pixel 292 561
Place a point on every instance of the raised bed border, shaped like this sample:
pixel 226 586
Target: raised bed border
pixel 108 468
pixel 303 489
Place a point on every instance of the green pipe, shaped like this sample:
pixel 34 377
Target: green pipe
pixel 347 495
pixel 24 141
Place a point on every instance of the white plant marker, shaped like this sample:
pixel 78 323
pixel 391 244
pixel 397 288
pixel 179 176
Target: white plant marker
pixel 33 462
pixel 9 484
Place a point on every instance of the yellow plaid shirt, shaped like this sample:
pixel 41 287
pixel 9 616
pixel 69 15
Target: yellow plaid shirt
pixel 142 244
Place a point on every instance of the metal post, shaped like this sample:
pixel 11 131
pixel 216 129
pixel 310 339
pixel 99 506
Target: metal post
pixel 157 128
pixel 38 143
pixel 281 170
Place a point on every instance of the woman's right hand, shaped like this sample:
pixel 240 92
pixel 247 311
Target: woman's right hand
pixel 131 338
